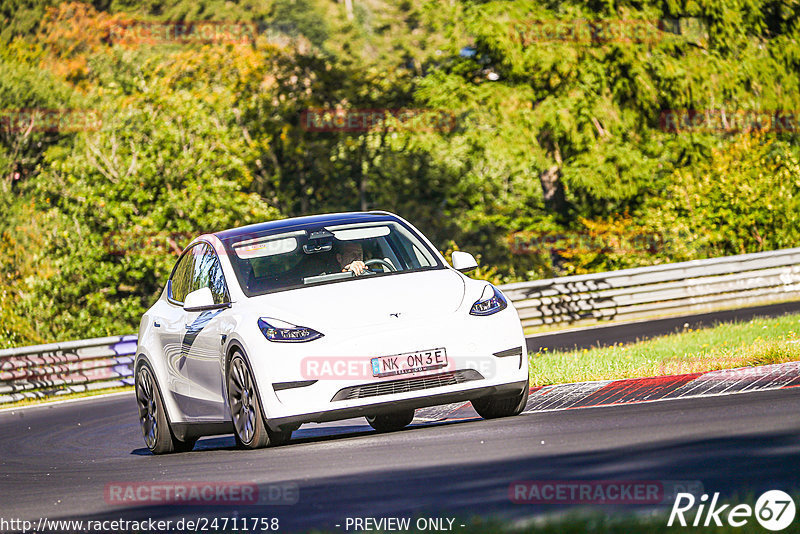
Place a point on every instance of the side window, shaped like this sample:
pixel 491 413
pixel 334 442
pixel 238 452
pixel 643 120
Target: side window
pixel 182 276
pixel 207 272
pixel 421 261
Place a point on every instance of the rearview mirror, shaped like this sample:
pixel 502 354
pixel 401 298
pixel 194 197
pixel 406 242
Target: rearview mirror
pixel 199 300
pixel 463 261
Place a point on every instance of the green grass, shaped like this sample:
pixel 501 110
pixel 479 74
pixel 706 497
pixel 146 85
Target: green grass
pixel 760 341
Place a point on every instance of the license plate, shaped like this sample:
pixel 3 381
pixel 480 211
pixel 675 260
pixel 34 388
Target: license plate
pixel 409 362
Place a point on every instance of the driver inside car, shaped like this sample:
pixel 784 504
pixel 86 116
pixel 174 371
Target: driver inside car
pixel 350 256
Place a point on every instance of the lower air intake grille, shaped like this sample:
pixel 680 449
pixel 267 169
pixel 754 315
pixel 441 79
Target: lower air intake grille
pixel 405 385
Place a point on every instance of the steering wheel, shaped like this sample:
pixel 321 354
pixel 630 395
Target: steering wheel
pixel 378 261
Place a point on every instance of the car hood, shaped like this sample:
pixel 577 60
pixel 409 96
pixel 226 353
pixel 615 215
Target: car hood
pixel 367 301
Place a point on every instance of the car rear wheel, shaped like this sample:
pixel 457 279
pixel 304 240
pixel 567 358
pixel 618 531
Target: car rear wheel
pixel 153 418
pixel 494 406
pixel 390 422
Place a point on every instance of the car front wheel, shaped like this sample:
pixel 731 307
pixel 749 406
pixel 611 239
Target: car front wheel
pixel 250 429
pixel 493 407
pixel 390 422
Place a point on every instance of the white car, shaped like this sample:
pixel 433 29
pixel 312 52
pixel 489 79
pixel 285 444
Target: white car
pixel 263 328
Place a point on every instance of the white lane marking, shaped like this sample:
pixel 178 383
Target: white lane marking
pixel 561 397
pixel 727 381
pixel 437 413
pixel 711 384
pixel 66 401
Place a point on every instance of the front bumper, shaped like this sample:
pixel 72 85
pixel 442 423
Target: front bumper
pixel 389 406
pixel 486 355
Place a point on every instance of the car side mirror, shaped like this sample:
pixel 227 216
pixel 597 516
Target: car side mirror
pixel 463 261
pixel 199 300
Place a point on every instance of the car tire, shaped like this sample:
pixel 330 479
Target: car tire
pixel 493 407
pixel 391 421
pixel 249 428
pixel 156 430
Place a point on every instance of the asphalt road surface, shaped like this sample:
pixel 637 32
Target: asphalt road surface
pixel 57 461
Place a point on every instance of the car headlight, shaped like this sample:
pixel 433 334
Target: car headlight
pixel 283 332
pixel 492 301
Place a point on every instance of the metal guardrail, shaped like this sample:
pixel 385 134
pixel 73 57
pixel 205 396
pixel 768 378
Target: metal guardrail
pixel 627 295
pixel 75 366
pixel 659 291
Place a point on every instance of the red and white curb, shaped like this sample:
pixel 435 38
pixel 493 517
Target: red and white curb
pixel 636 390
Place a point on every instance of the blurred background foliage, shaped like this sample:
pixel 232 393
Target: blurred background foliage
pixel 555 160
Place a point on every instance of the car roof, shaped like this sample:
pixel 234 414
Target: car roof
pixel 304 222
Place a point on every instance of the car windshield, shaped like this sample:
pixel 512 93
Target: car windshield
pixel 269 262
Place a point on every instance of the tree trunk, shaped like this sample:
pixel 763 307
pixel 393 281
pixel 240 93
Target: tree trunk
pixel 552 187
pixel 553 190
pixel 555 199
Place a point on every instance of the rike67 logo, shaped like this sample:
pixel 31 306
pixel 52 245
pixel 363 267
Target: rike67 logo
pixel 774 510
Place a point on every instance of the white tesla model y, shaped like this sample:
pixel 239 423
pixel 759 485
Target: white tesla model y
pixel 263 328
